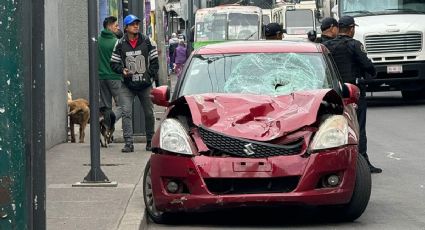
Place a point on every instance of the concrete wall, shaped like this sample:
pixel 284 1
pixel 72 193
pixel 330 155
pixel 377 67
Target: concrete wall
pixel 56 108
pixel 66 59
pixel 75 35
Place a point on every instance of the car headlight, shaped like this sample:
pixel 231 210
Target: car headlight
pixel 174 137
pixel 332 133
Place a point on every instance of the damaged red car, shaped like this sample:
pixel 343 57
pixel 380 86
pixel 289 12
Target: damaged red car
pixel 257 123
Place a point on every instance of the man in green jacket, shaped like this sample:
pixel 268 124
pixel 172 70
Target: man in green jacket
pixel 110 82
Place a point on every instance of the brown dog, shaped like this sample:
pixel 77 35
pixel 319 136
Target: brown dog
pixel 79 113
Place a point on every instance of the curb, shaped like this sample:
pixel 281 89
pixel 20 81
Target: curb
pixel 144 222
pixel 134 217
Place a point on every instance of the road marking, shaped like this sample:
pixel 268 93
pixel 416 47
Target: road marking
pixel 390 155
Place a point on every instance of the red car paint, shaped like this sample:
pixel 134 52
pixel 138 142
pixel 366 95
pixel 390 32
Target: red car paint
pixel 253 47
pixel 280 119
pixel 256 117
pixel 193 172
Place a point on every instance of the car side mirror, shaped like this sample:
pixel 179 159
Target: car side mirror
pixel 351 93
pixel 160 95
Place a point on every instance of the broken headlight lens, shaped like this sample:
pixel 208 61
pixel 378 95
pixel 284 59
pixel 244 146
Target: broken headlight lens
pixel 174 137
pixel 332 133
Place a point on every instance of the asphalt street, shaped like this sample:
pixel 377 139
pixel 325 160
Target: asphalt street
pixel 396 142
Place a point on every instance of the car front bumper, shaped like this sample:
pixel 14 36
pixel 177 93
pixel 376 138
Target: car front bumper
pixel 196 173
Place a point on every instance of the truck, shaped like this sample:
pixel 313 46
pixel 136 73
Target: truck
pixel 392 32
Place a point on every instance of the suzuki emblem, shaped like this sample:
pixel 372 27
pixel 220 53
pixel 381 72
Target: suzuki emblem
pixel 249 149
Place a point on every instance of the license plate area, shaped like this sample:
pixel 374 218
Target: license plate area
pixel 246 166
pixel 391 69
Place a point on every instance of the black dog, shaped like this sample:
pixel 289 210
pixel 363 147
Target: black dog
pixel 107 126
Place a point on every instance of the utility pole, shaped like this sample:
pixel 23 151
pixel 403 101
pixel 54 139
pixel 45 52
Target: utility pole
pixel 162 57
pixel 95 177
pixel 190 22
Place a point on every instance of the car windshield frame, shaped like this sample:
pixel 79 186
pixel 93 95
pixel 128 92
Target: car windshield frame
pixel 328 75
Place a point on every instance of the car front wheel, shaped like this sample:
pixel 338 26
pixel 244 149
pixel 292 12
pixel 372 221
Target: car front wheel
pixel 361 194
pixel 155 215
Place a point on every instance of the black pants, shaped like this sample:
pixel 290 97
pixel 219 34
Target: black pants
pixel 361 116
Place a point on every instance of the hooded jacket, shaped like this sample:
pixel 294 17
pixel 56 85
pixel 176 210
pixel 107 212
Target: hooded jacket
pixel 180 54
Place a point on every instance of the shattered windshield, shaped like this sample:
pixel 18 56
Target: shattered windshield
pixel 367 7
pixel 256 73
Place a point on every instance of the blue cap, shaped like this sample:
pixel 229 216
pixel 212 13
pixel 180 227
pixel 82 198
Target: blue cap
pixel 130 19
pixel 346 21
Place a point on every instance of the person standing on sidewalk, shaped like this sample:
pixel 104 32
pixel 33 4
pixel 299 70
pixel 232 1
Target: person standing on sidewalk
pixel 136 59
pixel 110 82
pixel 172 45
pixel 180 57
pixel 353 64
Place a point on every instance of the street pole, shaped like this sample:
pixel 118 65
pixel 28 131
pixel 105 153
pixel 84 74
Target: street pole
pixel 95 177
pixel 125 8
pixel 191 21
pixel 162 56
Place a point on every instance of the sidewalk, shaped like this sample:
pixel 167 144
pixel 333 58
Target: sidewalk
pixel 92 208
pixel 73 208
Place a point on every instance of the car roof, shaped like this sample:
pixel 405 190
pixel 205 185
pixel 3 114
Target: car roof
pixel 269 46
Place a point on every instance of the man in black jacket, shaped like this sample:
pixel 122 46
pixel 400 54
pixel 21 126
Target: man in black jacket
pixel 136 59
pixel 353 64
pixel 329 28
pixel 273 31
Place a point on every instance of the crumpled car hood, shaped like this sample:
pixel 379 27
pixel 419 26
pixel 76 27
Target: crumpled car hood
pixel 256 117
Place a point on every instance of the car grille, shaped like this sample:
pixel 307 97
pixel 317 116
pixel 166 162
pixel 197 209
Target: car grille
pixel 394 43
pixel 247 148
pixel 251 185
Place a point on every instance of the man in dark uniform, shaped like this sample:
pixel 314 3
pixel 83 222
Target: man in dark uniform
pixel 312 36
pixel 329 28
pixel 353 64
pixel 273 31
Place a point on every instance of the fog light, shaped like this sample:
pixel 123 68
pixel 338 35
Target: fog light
pixel 172 187
pixel 333 180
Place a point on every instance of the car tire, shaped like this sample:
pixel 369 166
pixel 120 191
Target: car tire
pixel 155 215
pixel 361 194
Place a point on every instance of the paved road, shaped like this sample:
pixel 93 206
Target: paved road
pixel 396 132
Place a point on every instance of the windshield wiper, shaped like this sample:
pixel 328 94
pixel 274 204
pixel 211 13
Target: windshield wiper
pixel 359 12
pixel 406 10
pixel 250 35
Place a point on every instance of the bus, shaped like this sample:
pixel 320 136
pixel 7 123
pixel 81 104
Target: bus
pixel 297 19
pixel 227 22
